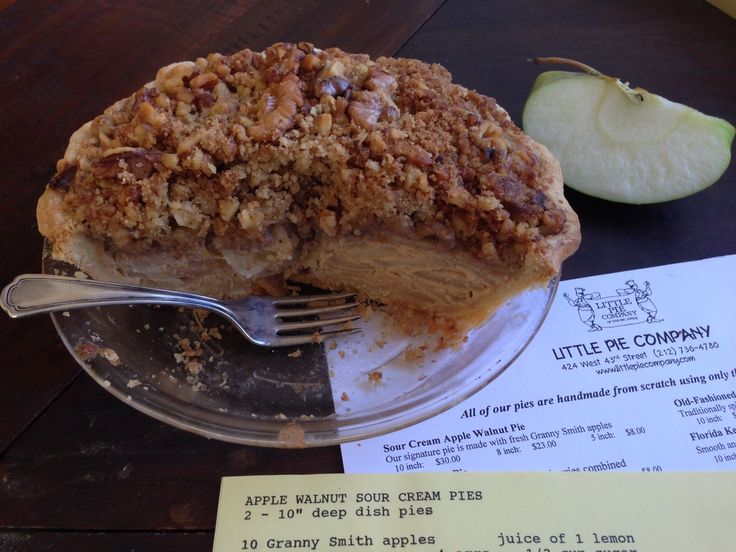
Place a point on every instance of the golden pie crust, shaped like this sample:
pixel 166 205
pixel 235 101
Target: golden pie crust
pixel 227 174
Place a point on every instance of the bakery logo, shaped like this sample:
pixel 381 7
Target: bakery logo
pixel 631 305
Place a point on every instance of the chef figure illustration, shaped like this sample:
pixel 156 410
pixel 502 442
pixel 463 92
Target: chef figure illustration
pixel 642 299
pixel 585 311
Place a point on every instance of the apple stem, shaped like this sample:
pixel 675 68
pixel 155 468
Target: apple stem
pixel 566 61
pixel 636 95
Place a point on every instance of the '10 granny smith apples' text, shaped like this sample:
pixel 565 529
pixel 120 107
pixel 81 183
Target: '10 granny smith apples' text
pixel 623 144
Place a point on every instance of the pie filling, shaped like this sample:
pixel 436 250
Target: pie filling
pixel 381 177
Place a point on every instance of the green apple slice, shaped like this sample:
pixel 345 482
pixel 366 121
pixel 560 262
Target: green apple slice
pixel 623 144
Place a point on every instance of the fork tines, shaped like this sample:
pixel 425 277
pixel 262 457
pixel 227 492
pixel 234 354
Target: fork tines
pixel 300 314
pixel 302 299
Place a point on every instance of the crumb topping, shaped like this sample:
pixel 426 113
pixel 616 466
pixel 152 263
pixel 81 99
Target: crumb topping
pixel 294 142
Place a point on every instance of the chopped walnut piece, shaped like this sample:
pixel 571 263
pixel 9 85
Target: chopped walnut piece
pixel 323 124
pixel 279 110
pixel 151 116
pixel 366 108
pixel 206 81
pixel 140 163
pixel 333 68
pixel 379 80
pixel 228 207
pixel 375 102
pixel 414 153
pixel 375 376
pixel 552 222
pixel 332 86
pixel 312 62
pixel 171 78
pixel 62 180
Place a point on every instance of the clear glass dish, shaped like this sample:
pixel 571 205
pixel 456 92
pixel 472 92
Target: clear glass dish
pixel 200 375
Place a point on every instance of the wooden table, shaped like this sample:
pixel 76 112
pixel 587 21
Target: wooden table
pixel 79 470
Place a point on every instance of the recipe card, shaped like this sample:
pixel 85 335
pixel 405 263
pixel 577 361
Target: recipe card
pixel 451 512
pixel 632 371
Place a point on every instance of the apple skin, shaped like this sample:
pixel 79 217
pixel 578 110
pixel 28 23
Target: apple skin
pixel 654 188
pixel 548 77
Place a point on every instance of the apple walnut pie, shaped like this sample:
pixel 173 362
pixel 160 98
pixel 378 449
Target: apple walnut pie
pixel 319 166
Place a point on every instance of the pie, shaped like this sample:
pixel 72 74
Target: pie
pixel 383 177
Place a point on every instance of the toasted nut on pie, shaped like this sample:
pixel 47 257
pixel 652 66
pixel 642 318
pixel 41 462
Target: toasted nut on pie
pixel 323 124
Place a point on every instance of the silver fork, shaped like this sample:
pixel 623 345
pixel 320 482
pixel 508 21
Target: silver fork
pixel 266 321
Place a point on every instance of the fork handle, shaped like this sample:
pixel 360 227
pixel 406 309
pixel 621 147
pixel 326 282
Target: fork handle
pixel 31 294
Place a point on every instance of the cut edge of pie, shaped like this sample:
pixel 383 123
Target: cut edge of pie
pixel 428 265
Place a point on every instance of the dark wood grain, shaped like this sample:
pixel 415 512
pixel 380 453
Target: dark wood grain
pixel 36 368
pixel 90 473
pixel 88 450
pixel 74 541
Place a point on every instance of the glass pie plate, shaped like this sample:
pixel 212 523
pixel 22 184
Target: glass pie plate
pixel 195 372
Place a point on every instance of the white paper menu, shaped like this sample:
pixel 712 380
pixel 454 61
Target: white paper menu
pixel 631 371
